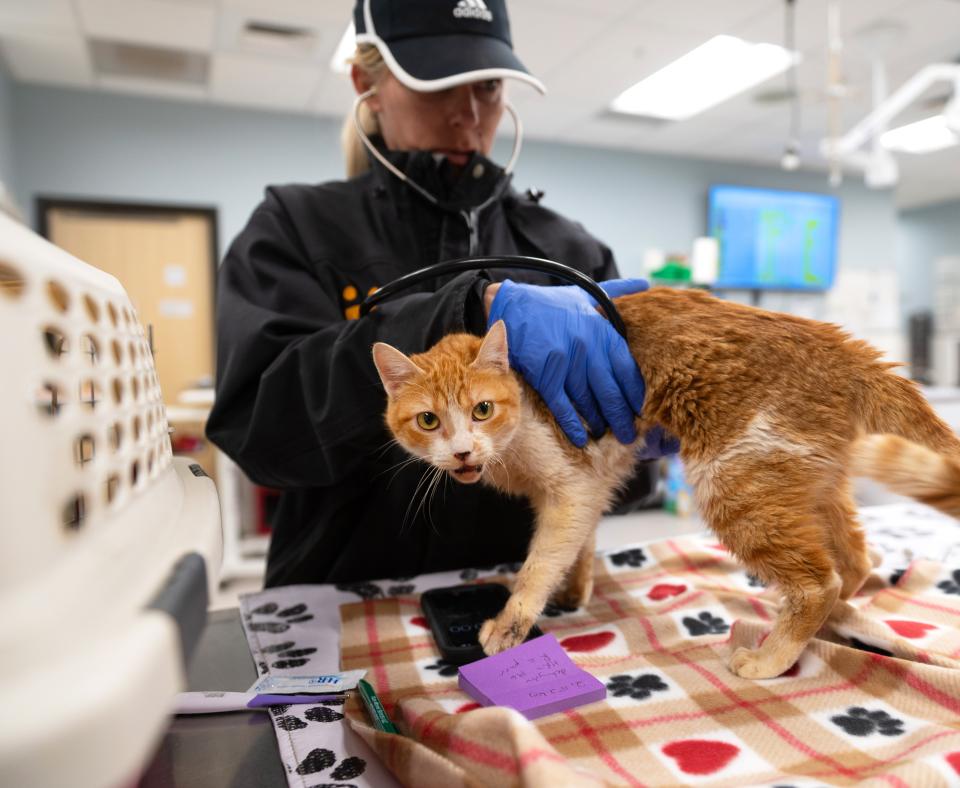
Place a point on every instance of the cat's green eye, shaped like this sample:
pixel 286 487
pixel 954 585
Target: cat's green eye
pixel 428 420
pixel 483 411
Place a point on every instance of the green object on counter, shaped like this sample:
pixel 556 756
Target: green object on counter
pixel 674 270
pixel 375 708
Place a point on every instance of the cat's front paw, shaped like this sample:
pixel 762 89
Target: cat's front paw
pixel 575 594
pixel 758 664
pixel 503 632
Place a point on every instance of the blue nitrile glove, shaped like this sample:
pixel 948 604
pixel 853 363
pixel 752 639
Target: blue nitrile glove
pixel 657 443
pixel 573 356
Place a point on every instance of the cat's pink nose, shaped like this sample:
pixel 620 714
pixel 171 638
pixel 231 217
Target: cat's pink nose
pixel 461 455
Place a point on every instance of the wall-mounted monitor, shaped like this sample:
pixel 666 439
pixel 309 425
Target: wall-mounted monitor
pixel 774 240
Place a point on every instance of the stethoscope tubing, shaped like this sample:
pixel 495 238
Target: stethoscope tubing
pixel 523 262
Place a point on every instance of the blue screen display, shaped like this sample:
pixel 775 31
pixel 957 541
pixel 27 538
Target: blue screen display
pixel 774 240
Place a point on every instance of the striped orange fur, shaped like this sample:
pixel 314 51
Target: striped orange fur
pixel 773 412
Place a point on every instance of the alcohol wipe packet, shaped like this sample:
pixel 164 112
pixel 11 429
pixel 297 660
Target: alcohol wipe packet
pixel 289 685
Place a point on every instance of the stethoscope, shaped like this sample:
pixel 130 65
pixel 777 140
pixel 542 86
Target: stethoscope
pixel 558 270
pixel 561 271
pixel 469 215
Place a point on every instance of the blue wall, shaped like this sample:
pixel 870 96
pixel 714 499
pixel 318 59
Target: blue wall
pixel 118 147
pixel 924 235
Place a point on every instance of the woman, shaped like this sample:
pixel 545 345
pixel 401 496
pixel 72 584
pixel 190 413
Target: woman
pixel 299 405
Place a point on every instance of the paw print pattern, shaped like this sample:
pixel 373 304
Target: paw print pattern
pixel 290 723
pixel 859 721
pixel 951 586
pixel 286 617
pixel 321 759
pixel 637 687
pixel 322 714
pixel 362 590
pixel 633 557
pixel 755 582
pixel 552 610
pixel 443 668
pixel 705 624
pixel 401 590
pixel 293 657
pixel 373 591
pixel 500 569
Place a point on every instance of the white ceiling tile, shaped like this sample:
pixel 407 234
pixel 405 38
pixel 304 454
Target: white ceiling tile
pixel 152 87
pixel 544 37
pixel 25 17
pixel 610 64
pixel 55 59
pixel 318 44
pixel 695 16
pixel 161 23
pixel 337 13
pixel 254 81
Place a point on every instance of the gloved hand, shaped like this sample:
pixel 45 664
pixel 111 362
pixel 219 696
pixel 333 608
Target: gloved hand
pixel 573 356
pixel 657 443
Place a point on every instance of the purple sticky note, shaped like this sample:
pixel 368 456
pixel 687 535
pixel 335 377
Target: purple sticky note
pixel 536 678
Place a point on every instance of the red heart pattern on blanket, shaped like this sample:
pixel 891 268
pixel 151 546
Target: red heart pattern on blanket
pixel 468 707
pixel 909 629
pixel 591 642
pixel 701 756
pixel 420 621
pixel 953 759
pixel 664 590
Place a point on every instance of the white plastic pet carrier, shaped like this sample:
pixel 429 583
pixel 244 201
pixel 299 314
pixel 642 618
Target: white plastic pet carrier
pixel 109 545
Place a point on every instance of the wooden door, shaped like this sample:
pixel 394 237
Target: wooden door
pixel 165 259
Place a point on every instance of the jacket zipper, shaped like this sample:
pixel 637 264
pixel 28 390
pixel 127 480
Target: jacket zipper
pixel 472 218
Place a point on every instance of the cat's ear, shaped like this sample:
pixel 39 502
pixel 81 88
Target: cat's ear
pixel 493 350
pixel 394 367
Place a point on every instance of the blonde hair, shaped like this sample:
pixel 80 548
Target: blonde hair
pixel 367 57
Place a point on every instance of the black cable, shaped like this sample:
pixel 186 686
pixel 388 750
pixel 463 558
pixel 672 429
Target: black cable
pixel 559 270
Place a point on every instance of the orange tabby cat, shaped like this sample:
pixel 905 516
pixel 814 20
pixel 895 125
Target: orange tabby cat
pixel 773 413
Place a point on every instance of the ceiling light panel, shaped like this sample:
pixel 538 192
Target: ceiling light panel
pixel 923 136
pixel 715 71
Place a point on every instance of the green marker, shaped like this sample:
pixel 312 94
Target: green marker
pixel 375 708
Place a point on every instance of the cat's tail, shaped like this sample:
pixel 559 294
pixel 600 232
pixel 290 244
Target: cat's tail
pixel 910 469
pixel 888 403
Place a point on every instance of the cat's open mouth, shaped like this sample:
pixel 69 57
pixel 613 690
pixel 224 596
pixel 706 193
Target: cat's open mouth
pixel 468 473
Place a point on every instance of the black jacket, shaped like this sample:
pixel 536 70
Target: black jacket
pixel 299 405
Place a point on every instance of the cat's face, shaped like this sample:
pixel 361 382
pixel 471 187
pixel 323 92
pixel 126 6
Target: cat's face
pixel 457 406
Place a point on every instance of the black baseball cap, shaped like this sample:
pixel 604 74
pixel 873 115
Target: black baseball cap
pixel 433 45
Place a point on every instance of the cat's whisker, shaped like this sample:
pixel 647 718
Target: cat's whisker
pixel 431 492
pixel 424 500
pixel 499 459
pixel 424 483
pixel 413 497
pixel 386 447
pixel 399 466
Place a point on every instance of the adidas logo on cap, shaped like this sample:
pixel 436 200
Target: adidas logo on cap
pixel 472 9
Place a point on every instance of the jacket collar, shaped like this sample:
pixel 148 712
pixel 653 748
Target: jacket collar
pixel 454 191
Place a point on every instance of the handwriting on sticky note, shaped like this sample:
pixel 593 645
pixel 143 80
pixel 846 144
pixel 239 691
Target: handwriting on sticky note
pixel 535 678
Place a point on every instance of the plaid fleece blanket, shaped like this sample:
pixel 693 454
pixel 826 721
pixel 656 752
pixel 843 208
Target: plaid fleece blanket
pixel 874 699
